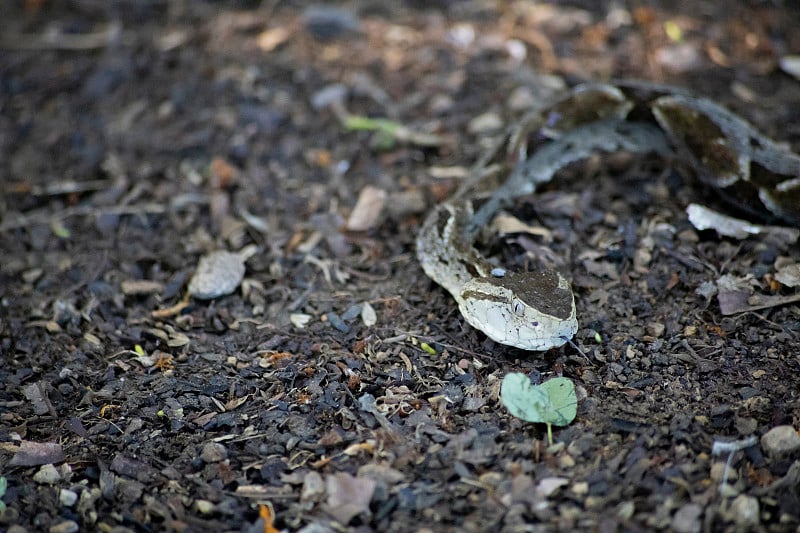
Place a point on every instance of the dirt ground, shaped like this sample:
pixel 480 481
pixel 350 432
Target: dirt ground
pixel 338 388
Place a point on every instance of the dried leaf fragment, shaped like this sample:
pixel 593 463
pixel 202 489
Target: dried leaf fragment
pixel 368 209
pixel 368 315
pixel 348 496
pixel 703 218
pixel 789 275
pixel 37 453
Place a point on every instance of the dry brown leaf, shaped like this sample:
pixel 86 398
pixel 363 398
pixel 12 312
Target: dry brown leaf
pixel 348 496
pixel 368 209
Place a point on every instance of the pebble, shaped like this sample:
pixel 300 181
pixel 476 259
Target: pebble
pixel 687 519
pixel 217 274
pixel 581 488
pixel 745 511
pixel 352 312
pixel 485 123
pixel 718 471
pixel 204 506
pixel 313 487
pixel 337 322
pixel 67 497
pixel 566 461
pixel 213 452
pixel 330 94
pixel 780 440
pixel 47 475
pixel 67 526
pixel 790 65
pixel 299 320
pixel 327 23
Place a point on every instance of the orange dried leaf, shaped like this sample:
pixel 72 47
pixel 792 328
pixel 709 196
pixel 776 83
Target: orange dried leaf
pixel 164 362
pixel 106 410
pixel 266 513
pixel 223 173
pixel 304 398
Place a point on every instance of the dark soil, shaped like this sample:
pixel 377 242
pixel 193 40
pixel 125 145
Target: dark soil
pixel 136 136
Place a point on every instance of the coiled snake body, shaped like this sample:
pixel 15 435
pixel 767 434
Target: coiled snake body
pixel 536 310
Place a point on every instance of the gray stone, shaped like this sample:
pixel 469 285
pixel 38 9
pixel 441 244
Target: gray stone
pixel 687 519
pixel 68 526
pixel 213 452
pixel 780 440
pixel 217 274
pixel 745 511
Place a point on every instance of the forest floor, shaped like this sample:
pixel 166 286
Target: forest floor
pixel 338 387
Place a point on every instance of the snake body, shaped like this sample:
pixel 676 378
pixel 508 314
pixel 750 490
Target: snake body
pixel 536 310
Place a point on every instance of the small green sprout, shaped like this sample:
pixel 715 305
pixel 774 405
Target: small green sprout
pixel 386 130
pixel 553 402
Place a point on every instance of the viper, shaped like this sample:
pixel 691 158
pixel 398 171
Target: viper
pixel 536 310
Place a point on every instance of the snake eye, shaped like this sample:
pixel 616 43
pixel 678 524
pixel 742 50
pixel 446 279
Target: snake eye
pixel 518 307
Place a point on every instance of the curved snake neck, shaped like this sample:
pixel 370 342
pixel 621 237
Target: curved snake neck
pixel 536 310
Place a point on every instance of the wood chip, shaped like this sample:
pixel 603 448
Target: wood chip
pixel 140 287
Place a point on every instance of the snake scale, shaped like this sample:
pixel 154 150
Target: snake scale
pixel 536 310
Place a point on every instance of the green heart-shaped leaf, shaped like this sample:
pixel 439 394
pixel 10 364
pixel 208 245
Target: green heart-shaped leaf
pixel 552 402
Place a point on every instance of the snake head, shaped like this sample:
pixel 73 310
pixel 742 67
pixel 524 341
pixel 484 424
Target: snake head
pixel 527 310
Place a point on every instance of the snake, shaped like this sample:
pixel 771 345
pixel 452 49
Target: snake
pixel 535 310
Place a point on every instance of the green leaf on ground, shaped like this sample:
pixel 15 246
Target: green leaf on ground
pixel 553 402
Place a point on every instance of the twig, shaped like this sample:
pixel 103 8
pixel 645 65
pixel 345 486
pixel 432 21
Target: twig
pixel 55 39
pixel 23 221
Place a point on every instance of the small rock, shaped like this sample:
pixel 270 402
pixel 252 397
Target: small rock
pixel 790 65
pixel 336 321
pixel 655 329
pixel 745 425
pixel 522 99
pixel 47 475
pixel 213 452
pixel 352 312
pixel 780 440
pixel 217 274
pixel 299 320
pixel 368 315
pixel 566 461
pixel 485 123
pixel 679 58
pixel 789 275
pixel 547 486
pixel 327 23
pixel 745 511
pixel 67 526
pixel 313 487
pixel 329 95
pixel 625 510
pixel 687 519
pixel 718 471
pixel 581 488
pixel 204 506
pixel 67 497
